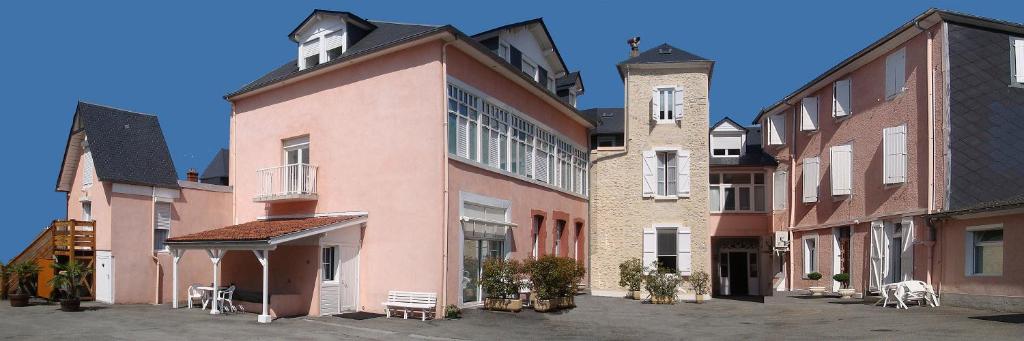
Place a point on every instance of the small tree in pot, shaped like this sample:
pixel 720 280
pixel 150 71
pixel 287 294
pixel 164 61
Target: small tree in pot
pixel 553 281
pixel 700 281
pixel 501 280
pixel 68 281
pixel 815 290
pixel 25 272
pixel 631 276
pixel 662 284
pixel 845 292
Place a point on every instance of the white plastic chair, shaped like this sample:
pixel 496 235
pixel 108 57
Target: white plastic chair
pixel 194 293
pixel 919 291
pixel 891 293
pixel 225 299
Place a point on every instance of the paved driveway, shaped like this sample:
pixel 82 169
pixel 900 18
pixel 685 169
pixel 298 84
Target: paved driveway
pixel 596 318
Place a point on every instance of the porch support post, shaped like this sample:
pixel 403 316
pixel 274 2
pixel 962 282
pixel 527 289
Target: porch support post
pixel 215 256
pixel 264 257
pixel 176 254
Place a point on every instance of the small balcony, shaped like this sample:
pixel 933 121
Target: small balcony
pixel 295 182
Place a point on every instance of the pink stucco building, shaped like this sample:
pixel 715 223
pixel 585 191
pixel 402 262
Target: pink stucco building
pixel 884 168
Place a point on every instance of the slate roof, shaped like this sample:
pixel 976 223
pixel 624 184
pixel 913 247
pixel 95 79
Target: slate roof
pixel 384 35
pixel 538 21
pixel 218 167
pixel 348 16
pixel 263 230
pixel 127 147
pixel 663 53
pixel 606 125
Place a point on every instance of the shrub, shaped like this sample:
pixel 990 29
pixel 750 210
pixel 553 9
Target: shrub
pixel 814 276
pixel 25 272
pixel 843 279
pixel 661 283
pixel 701 281
pixel 631 274
pixel 452 312
pixel 69 278
pixel 501 278
pixel 552 276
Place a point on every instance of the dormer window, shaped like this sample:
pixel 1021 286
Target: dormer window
pixel 311 53
pixel 335 42
pixel 727 145
pixel 322 43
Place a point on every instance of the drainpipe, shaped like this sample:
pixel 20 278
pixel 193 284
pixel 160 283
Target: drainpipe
pixel 444 169
pixel 156 288
pixel 931 149
pixel 792 197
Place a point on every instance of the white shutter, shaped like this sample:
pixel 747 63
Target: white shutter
pixel 650 246
pixel 162 216
pixel 895 72
pixel 655 104
pixel 650 164
pixel 684 261
pixel 1018 58
pixel 809 114
pixel 462 138
pixel 780 188
pixel 894 161
pixel 907 254
pixel 810 173
pixel 310 48
pixel 88 171
pixel 841 99
pixel 878 247
pixel 683 167
pixel 678 111
pixel 840 164
pixel 334 40
pixel 776 129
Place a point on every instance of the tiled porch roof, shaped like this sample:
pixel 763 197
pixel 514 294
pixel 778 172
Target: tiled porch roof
pixel 263 230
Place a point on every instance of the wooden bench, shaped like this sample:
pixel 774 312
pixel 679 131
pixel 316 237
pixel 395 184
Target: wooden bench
pixel 424 302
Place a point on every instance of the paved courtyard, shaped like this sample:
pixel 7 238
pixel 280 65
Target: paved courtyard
pixel 596 318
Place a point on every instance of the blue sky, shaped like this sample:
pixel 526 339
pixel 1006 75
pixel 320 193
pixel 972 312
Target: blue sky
pixel 176 59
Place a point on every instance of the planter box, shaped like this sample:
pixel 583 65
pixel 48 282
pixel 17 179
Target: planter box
pixel 846 293
pixel 565 302
pixel 663 299
pixel 636 295
pixel 816 291
pixel 543 306
pixel 503 304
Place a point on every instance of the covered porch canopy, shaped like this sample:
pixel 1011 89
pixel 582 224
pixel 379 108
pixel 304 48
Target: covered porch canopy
pixel 260 237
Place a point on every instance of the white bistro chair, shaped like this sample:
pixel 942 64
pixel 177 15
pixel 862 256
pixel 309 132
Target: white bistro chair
pixel 195 294
pixel 224 299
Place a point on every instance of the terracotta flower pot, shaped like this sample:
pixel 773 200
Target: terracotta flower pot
pixel 816 291
pixel 71 304
pixel 18 300
pixel 543 306
pixel 503 304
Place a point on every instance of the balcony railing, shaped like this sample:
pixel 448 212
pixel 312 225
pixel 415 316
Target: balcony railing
pixel 296 182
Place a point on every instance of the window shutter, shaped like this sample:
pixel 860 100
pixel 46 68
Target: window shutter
pixel 907 254
pixel 650 164
pixel 810 175
pixel 878 247
pixel 655 103
pixel 683 167
pixel 901 69
pixel 462 142
pixel 650 246
pixel 310 48
pixel 776 129
pixel 87 173
pixel 809 114
pixel 841 99
pixel 334 40
pixel 678 111
pixel 895 72
pixel 840 159
pixel 684 261
pixel 780 188
pixel 1018 58
pixel 162 216
pixel 895 154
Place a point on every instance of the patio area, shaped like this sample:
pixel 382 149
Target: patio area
pixel 596 318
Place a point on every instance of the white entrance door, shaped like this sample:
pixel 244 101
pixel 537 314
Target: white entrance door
pixel 330 285
pixel 104 277
pixel 349 278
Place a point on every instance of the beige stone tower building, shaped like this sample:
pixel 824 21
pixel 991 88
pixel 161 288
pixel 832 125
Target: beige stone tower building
pixel 650 188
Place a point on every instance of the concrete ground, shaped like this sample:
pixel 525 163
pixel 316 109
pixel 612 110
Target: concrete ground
pixel 596 318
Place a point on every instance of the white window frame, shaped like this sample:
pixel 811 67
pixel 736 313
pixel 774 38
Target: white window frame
pixel 969 252
pixel 780 190
pixel 715 144
pixel 751 186
pixel 895 73
pixel 87 210
pixel 535 75
pixel 559 230
pixel 663 156
pixel 1017 61
pixel 331 264
pixel 551 84
pixel 666 98
pixel 837 100
pixel 504 51
pixel 675 236
pixel 809 114
pixel 776 124
pixel 319 38
pixel 156 224
pixel 809 264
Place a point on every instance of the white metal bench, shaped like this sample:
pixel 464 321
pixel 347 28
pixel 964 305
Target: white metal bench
pixel 406 301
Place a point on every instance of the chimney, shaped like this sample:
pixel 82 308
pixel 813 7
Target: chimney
pixel 634 46
pixel 193 175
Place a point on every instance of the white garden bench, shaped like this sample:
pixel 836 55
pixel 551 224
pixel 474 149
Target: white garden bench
pixel 424 302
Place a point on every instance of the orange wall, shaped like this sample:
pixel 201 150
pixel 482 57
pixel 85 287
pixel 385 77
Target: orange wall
pixel 951 256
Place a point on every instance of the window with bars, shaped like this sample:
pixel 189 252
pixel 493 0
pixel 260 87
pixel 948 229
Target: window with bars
pixel 487 133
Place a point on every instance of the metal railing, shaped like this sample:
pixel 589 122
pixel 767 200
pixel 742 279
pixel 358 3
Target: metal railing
pixel 295 180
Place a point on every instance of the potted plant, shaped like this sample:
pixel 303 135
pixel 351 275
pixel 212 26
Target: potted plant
pixel 25 272
pixel 662 284
pixel 452 312
pixel 845 292
pixel 700 281
pixel 68 281
pixel 500 280
pixel 631 276
pixel 815 290
pixel 553 282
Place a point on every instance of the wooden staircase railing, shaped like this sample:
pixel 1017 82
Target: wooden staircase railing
pixel 62 241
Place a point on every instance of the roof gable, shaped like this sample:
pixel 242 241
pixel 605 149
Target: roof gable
pixel 218 167
pixel 727 125
pixel 320 14
pixel 126 147
pixel 663 53
pixel 541 36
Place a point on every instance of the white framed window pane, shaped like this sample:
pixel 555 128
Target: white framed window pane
pixel 729 200
pixel 744 198
pixel 667 248
pixel 759 198
pixel 715 199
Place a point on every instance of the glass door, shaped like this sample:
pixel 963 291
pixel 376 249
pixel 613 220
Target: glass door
pixel 296 173
pixel 474 253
